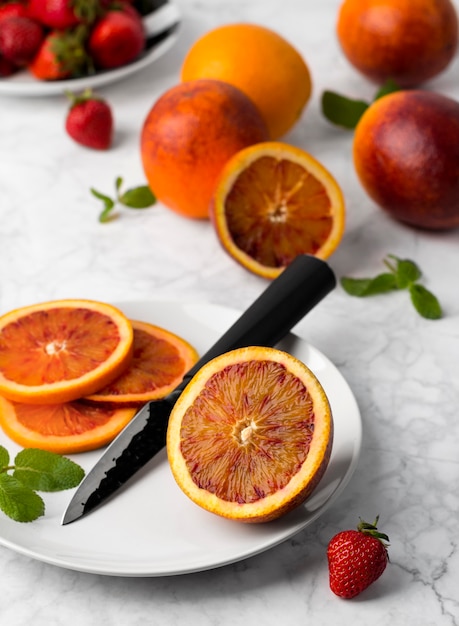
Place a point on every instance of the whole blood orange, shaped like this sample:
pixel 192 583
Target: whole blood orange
pixel 64 428
pixel 159 362
pixel 61 350
pixel 408 41
pixel 187 137
pixel 261 63
pixel 274 201
pixel 406 154
pixel 251 435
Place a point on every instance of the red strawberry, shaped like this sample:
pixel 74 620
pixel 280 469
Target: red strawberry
pixel 117 38
pixel 20 39
pixel 62 14
pixel 7 68
pixel 89 121
pixel 13 9
pixel 356 558
pixel 62 55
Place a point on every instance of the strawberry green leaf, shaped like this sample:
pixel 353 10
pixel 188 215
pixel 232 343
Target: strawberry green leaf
pixel 46 471
pixel 18 501
pixel 372 529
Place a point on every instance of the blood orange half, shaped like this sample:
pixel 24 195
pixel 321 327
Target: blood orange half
pixel 58 351
pixel 65 428
pixel 274 201
pixel 251 435
pixel 160 361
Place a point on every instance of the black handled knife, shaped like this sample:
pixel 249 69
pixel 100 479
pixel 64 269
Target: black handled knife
pixel 284 303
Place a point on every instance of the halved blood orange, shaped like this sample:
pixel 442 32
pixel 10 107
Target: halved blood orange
pixel 251 435
pixel 58 351
pixel 65 428
pixel 160 361
pixel 274 201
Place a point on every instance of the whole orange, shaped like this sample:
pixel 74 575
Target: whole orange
pixel 261 63
pixel 188 136
pixel 408 41
pixel 406 154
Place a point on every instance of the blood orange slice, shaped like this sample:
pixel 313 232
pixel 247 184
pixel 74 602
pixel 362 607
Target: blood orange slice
pixel 273 202
pixel 59 351
pixel 65 428
pixel 251 435
pixel 159 363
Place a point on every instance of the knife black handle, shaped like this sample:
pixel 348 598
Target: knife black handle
pixel 304 282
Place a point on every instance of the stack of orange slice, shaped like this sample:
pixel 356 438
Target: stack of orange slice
pixel 73 371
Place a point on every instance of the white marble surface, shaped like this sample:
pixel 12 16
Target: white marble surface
pixel 402 368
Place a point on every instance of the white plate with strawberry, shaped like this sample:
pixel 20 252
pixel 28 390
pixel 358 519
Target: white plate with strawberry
pixel 151 28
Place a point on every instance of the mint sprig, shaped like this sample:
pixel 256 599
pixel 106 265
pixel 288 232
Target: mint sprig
pixel 403 275
pixel 136 198
pixel 33 470
pixel 346 112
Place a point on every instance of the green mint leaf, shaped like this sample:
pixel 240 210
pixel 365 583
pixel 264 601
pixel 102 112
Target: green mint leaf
pixel 46 471
pixel 342 111
pixel 425 303
pixel 19 502
pixel 362 287
pixel 407 272
pixel 389 87
pixel 107 214
pixel 355 286
pixel 101 196
pixel 109 205
pixel 4 458
pixel 403 274
pixel 138 198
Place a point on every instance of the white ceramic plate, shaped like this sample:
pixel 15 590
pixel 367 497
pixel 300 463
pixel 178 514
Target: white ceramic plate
pixel 151 528
pixel 162 31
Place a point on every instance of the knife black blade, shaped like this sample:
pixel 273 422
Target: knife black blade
pixel 304 283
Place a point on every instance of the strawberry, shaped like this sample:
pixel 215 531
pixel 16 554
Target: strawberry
pixel 62 54
pixel 117 38
pixel 7 68
pixel 20 39
pixel 356 558
pixel 89 121
pixel 13 9
pixel 62 14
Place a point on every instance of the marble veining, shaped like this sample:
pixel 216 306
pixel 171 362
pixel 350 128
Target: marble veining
pixel 401 368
